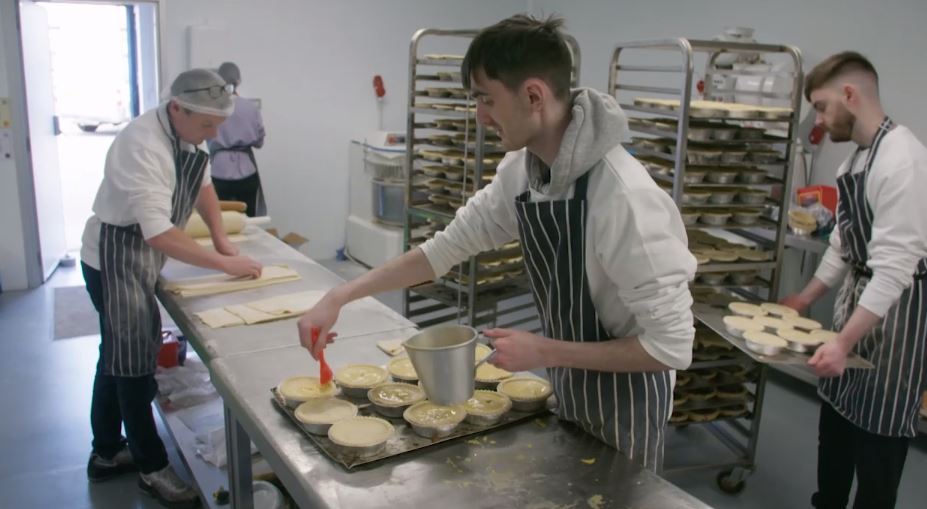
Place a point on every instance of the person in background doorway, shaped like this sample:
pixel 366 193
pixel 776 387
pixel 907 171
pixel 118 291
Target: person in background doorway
pixel 155 175
pixel 231 152
pixel 879 252
pixel 605 247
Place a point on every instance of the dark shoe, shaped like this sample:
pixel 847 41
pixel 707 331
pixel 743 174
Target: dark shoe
pixel 101 469
pixel 169 489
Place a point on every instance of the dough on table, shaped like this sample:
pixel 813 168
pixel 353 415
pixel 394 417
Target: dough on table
pixel 224 283
pixel 207 241
pixel 261 311
pixel 232 222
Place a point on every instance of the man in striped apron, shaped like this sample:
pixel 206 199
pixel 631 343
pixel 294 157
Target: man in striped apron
pixel 154 176
pixel 605 248
pixel 879 251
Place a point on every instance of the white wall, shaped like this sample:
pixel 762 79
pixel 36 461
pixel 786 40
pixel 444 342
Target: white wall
pixel 890 33
pixel 12 251
pixel 312 64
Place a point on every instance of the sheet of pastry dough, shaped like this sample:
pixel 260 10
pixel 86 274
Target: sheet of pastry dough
pixel 223 283
pixel 251 316
pixel 391 347
pixel 232 222
pixel 261 311
pixel 293 303
pixel 218 318
pixel 207 241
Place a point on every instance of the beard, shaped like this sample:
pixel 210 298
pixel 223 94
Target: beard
pixel 841 129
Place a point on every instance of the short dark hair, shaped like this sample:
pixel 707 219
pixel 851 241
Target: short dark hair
pixel 836 65
pixel 518 48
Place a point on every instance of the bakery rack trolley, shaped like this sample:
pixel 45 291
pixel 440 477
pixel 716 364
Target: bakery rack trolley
pixel 450 157
pixel 728 167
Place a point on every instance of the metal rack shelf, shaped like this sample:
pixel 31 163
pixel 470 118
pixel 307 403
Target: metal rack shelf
pixel 627 61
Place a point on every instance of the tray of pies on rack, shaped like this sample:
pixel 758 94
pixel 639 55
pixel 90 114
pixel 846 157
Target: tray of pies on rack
pixel 718 109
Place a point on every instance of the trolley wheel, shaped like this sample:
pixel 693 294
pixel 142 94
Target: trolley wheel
pixel 729 484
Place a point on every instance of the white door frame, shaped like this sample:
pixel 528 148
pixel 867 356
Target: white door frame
pixel 12 44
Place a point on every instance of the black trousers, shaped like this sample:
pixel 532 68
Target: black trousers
pixel 122 401
pixel 843 449
pixel 245 190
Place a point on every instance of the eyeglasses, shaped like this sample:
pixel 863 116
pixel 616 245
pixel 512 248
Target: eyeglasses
pixel 215 91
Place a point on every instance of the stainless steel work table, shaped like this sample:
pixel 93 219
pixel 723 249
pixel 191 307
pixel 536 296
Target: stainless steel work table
pixel 362 317
pixel 537 463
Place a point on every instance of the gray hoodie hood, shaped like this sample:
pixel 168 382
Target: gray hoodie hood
pixel 597 126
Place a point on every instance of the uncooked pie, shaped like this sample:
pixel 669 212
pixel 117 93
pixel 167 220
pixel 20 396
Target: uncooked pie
pixel 360 376
pixel 401 368
pixel 746 309
pixel 431 415
pixel 361 432
pixel 396 394
pixel 325 411
pixel 303 388
pixel 489 373
pixel 525 388
pixel 487 403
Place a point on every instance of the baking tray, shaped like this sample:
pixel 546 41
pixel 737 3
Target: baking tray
pixel 714 318
pixel 404 441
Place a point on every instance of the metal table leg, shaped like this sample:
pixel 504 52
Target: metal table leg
pixel 238 447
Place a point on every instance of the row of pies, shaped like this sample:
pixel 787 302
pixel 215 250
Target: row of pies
pixel 320 412
pixel 704 131
pixel 458 157
pixel 708 154
pixel 718 109
pixel 736 409
pixel 723 394
pixel 769 328
pixel 722 375
pixel 694 196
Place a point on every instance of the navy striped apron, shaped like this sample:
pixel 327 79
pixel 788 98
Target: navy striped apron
pixel 884 400
pixel 625 410
pixel 129 270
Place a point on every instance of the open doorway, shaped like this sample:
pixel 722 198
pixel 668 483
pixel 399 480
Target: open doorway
pixel 103 59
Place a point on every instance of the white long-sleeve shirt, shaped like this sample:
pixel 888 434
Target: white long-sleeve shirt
pixel 896 190
pixel 637 261
pixel 139 177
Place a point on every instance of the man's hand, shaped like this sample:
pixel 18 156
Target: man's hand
pixel 830 359
pixel 323 317
pixel 518 350
pixel 796 302
pixel 241 266
pixel 225 246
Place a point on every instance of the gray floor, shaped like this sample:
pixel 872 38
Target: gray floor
pixel 45 432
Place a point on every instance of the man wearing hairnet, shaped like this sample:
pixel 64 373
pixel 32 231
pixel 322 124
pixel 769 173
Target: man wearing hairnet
pixel 155 173
pixel 231 152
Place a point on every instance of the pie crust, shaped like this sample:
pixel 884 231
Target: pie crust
pixel 361 432
pixel 778 309
pixel 488 403
pixel 746 309
pixel 401 368
pixel 489 373
pixel 325 411
pixel 800 322
pixel 303 388
pixel 431 415
pixel 360 376
pixel 525 388
pixel 396 394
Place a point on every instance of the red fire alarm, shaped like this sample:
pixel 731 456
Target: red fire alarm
pixel 378 87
